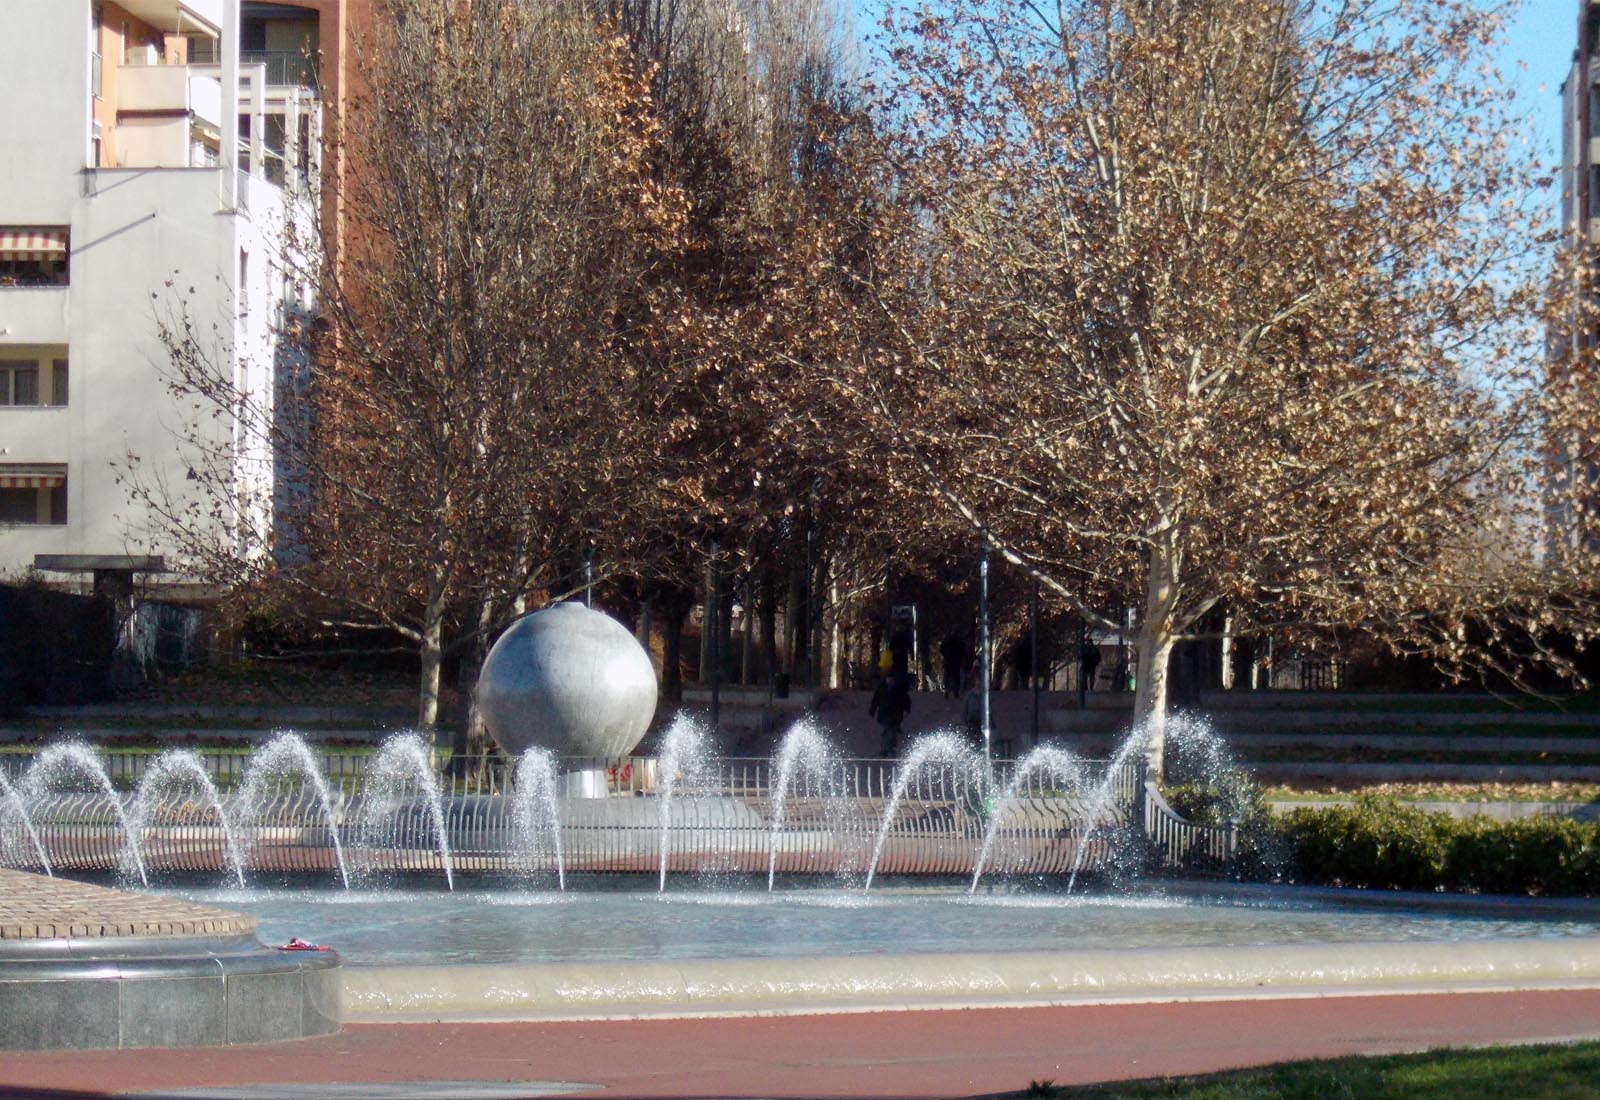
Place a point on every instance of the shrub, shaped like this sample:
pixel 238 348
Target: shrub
pixel 1382 844
pixel 1240 801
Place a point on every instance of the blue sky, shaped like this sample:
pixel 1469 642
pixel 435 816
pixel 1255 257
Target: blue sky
pixel 1536 56
pixel 1542 39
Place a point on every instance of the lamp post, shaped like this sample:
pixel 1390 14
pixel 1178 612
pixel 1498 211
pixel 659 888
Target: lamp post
pixel 984 642
pixel 1033 657
pixel 715 620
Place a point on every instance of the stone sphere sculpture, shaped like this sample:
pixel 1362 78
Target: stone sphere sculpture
pixel 568 679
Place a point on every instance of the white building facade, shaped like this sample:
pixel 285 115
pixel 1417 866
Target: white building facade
pixel 122 204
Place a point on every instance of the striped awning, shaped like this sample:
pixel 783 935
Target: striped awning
pixel 32 477
pixel 33 244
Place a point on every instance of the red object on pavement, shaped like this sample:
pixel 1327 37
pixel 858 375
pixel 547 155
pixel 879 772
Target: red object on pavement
pixel 297 944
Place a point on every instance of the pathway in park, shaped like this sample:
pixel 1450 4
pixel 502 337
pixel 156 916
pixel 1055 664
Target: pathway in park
pixel 954 1053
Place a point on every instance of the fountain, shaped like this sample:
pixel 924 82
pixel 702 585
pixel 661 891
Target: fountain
pixel 535 809
pixel 948 749
pixel 804 761
pixel 402 761
pixel 1102 797
pixel 685 761
pixel 1045 763
pixel 57 763
pixel 175 770
pixel 270 766
pixel 1199 755
pixel 816 942
pixel 822 814
pixel 14 802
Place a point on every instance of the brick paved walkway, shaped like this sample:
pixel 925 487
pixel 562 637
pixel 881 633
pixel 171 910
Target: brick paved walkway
pixel 878 1054
pixel 37 907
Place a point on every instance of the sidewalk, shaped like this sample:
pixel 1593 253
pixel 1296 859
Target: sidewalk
pixel 881 1054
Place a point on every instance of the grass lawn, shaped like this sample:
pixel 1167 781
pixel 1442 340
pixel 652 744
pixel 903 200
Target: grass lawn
pixel 1564 1072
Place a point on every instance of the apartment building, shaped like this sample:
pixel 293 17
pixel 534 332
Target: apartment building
pixel 149 165
pixel 1580 217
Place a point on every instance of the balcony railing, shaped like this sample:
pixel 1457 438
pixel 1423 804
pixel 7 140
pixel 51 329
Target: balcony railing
pixel 283 66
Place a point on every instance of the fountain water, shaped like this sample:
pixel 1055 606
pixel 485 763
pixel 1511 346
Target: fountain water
pixel 686 760
pixel 286 754
pixel 56 764
pixel 402 761
pixel 805 761
pixel 1102 797
pixel 14 801
pixel 948 749
pixel 1044 764
pixel 1199 755
pixel 939 812
pixel 535 807
pixel 177 769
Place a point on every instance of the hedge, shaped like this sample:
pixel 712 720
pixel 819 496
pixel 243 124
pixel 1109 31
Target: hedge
pixel 1378 843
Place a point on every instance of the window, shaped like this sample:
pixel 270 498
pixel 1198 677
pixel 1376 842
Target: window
pixel 31 381
pixel 32 256
pixel 33 496
pixel 203 50
pixel 19 382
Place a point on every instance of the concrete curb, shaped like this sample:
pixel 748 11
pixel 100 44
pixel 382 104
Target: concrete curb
pixel 791 986
pixel 166 991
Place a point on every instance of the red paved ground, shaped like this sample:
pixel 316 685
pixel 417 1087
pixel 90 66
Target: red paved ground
pixel 921 1054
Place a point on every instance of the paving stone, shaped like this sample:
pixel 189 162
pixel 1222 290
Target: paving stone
pixel 39 907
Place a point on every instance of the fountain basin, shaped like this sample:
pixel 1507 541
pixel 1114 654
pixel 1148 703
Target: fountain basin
pixel 83 967
pixel 606 953
pixel 829 984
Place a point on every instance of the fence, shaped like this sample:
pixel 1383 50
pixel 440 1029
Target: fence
pixel 731 820
pixel 1178 842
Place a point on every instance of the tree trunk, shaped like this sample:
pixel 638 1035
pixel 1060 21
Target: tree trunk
pixel 794 627
pixel 641 626
pixel 673 615
pixel 708 622
pixel 769 622
pixel 747 672
pixel 470 739
pixel 1155 640
pixel 815 613
pixel 1150 699
pixel 836 648
pixel 431 654
pixel 725 589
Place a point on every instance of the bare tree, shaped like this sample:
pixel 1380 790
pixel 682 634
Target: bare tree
pixel 1199 304
pixel 470 412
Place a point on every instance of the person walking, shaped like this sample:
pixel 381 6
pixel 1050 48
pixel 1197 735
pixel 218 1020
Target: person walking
pixel 891 702
pixel 953 651
pixel 1088 664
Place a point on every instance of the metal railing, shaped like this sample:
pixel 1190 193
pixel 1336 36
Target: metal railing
pixel 1179 842
pixel 726 823
pixel 283 67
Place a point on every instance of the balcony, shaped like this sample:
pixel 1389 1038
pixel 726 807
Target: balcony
pixel 177 16
pixel 168 89
pixel 284 68
pixel 280 127
pixel 281 68
pixel 166 115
